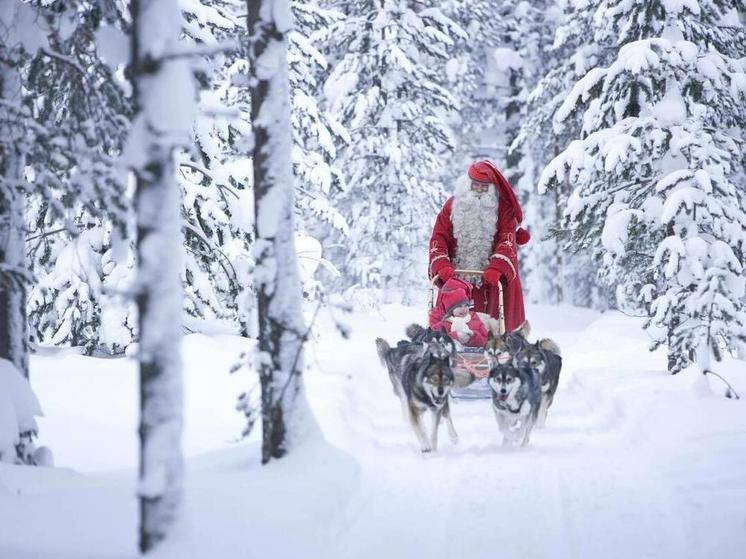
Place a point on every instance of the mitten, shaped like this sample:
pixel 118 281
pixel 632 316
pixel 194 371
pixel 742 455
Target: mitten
pixel 498 268
pixel 492 276
pixel 445 273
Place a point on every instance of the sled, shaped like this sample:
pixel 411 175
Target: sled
pixel 470 365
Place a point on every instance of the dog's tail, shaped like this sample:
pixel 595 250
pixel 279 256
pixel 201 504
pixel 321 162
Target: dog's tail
pixel 549 345
pixel 383 350
pixel 414 331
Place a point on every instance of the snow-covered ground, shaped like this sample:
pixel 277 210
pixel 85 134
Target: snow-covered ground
pixel 632 463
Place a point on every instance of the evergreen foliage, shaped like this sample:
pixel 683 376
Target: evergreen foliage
pixel 387 88
pixel 78 207
pixel 658 174
pixel 215 176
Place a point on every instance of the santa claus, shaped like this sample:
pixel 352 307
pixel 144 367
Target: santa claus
pixel 477 229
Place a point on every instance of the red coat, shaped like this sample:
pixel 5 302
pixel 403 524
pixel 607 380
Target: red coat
pixel 443 248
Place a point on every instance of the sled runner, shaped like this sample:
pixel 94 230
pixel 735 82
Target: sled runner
pixel 470 366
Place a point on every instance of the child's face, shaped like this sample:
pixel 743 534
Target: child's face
pixel 460 311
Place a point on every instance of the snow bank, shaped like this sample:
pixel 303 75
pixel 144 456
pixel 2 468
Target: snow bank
pixel 631 461
pixel 18 409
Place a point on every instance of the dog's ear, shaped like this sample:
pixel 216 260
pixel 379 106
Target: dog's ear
pixel 414 331
pixel 523 330
pixel 428 335
pixel 452 345
pixel 549 345
pixel 383 349
pixel 514 343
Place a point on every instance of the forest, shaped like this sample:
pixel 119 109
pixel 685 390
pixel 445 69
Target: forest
pixel 271 170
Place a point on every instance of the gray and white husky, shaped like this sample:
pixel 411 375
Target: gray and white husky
pixel 422 378
pixel 545 358
pixel 502 348
pixel 516 399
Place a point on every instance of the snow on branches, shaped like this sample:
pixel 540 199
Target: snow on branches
pixel 658 177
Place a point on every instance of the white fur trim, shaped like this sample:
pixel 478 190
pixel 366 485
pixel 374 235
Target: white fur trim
pixel 474 220
pixel 492 324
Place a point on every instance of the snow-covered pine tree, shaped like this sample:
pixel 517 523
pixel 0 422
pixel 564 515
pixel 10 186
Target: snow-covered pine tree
pixel 164 99
pixel 279 357
pixel 555 54
pixel 388 88
pixel 316 133
pixel 485 75
pixel 78 208
pixel 658 176
pixel 215 176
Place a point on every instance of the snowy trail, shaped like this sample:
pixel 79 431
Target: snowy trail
pixel 632 463
pixel 586 487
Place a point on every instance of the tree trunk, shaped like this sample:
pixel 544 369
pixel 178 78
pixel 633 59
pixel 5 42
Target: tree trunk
pixel 674 358
pixel 13 271
pixel 13 331
pixel 159 127
pixel 279 296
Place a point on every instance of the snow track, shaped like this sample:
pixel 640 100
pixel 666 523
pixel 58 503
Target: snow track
pixel 632 462
pixel 593 483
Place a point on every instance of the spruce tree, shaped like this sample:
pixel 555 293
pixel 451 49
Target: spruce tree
pixel 658 172
pixel 78 208
pixel 388 88
pixel 317 134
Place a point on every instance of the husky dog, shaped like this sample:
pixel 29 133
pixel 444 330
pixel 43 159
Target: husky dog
pixel 436 342
pixel 516 390
pixel 422 379
pixel 516 397
pixel 545 358
pixel 501 348
pixel 439 342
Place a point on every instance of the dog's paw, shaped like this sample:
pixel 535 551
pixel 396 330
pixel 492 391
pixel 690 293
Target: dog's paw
pixel 426 450
pixel 454 438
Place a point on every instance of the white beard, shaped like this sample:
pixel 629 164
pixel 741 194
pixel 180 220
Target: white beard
pixel 474 219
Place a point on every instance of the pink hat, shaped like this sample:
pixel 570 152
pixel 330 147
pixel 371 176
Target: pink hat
pixel 454 293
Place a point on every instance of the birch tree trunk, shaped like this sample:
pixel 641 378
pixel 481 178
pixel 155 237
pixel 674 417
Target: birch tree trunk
pixel 279 297
pixel 164 98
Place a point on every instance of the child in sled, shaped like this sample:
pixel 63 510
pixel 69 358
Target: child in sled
pixel 452 313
